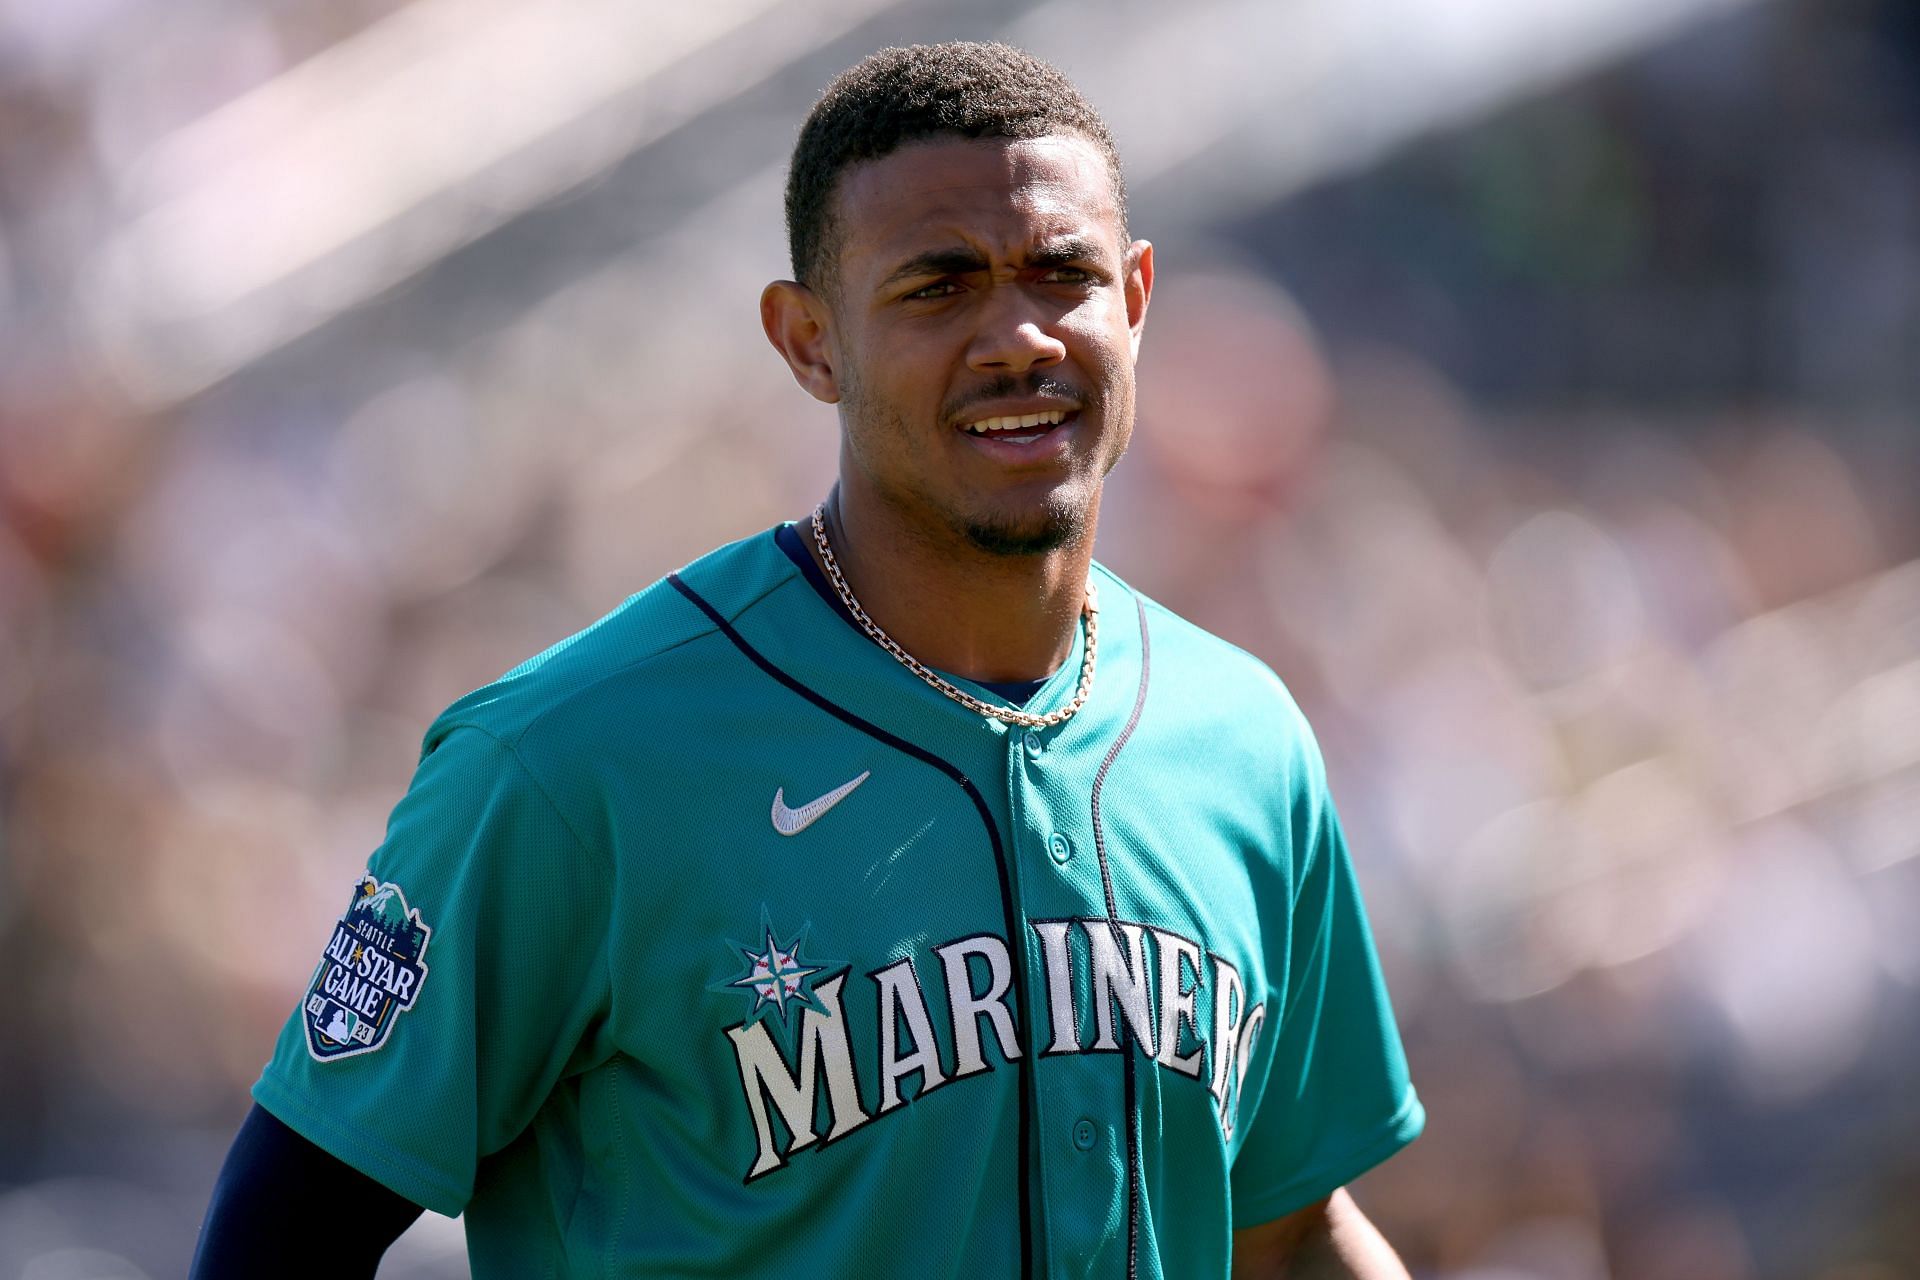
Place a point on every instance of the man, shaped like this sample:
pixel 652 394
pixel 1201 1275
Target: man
pixel 1047 958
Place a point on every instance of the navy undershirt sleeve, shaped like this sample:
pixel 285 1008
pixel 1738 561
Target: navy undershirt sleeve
pixel 261 1221
pixel 1018 692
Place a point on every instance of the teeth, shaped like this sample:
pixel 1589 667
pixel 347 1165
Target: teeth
pixel 1052 417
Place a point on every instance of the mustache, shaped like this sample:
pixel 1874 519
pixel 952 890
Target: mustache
pixel 1007 386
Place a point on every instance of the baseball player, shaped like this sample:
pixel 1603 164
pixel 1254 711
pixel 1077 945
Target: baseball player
pixel 891 893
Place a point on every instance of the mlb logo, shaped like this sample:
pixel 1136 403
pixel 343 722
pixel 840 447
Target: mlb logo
pixel 339 1025
pixel 371 973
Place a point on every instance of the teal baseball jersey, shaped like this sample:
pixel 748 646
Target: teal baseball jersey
pixel 713 942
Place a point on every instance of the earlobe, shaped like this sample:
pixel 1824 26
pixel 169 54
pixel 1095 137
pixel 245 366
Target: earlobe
pixel 1139 289
pixel 797 324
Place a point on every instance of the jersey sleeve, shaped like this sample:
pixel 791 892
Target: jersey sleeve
pixel 466 977
pixel 1337 1099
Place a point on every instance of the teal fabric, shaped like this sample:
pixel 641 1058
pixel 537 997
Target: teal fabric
pixel 594 1074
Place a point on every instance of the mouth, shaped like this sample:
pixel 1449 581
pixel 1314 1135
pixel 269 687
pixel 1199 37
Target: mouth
pixel 1021 429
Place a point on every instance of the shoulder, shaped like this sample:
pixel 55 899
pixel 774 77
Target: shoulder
pixel 621 667
pixel 1213 692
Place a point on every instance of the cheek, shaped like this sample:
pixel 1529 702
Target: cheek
pixel 1101 335
pixel 1104 317
pixel 877 405
pixel 897 365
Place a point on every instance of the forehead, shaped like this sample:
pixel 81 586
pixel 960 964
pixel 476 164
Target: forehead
pixel 990 192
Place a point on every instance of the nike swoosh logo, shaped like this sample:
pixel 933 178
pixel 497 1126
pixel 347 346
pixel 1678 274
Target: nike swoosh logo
pixel 791 822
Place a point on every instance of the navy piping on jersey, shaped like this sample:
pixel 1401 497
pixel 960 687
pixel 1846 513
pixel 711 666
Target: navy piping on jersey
pixel 1018 692
pixel 872 730
pixel 1131 1109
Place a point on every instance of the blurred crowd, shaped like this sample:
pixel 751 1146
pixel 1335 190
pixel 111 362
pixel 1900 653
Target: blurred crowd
pixel 1600 583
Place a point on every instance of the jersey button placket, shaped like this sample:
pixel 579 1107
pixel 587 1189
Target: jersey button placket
pixel 1029 826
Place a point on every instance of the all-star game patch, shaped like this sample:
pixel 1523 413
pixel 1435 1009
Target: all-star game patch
pixel 371 973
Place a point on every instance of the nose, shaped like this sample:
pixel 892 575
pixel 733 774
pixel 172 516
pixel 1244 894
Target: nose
pixel 1013 335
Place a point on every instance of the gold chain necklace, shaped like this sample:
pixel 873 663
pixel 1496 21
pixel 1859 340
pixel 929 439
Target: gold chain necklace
pixel 1008 715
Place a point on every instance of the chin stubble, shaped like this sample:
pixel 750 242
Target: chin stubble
pixel 1060 525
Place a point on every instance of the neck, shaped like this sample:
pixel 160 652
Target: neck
pixel 955 607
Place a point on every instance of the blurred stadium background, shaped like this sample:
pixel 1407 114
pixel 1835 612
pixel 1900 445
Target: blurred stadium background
pixel 1532 382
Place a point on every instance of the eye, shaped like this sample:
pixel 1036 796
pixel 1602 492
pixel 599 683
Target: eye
pixel 938 289
pixel 1068 275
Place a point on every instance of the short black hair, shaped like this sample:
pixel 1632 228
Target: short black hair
pixel 897 96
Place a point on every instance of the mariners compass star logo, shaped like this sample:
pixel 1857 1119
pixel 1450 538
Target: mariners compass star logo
pixel 778 975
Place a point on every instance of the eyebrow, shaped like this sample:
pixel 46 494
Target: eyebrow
pixel 1066 250
pixel 961 261
pixel 937 262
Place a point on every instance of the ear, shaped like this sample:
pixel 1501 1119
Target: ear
pixel 799 325
pixel 1139 289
